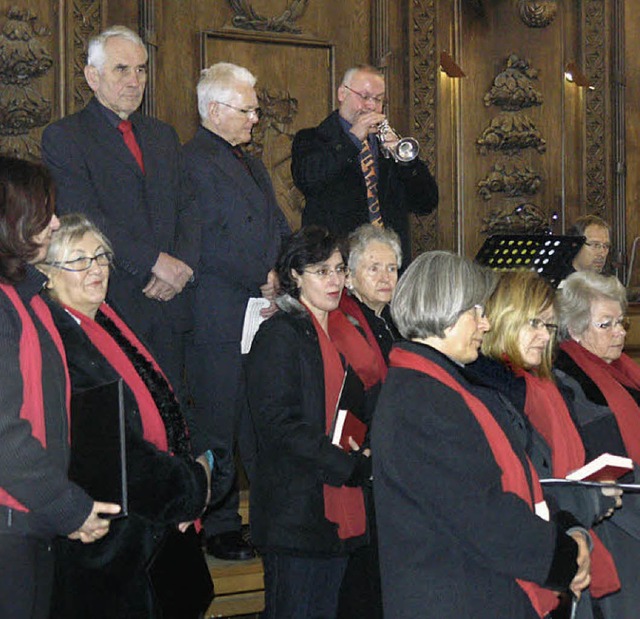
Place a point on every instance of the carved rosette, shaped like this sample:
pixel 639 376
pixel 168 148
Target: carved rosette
pixel 246 18
pixel 23 59
pixel 425 70
pixel 511 132
pixel 537 13
pixel 526 218
pixel 512 178
pixel 513 88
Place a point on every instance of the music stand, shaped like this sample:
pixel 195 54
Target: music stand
pixel 549 255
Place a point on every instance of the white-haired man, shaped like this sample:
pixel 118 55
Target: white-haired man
pixel 242 230
pixel 125 172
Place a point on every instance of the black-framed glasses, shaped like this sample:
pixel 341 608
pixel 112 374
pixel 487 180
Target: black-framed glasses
pixel 103 259
pixel 324 272
pixel 538 323
pixel 607 325
pixel 248 111
pixel 598 246
pixel 379 100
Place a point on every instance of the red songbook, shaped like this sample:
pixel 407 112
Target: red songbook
pixel 346 425
pixel 606 467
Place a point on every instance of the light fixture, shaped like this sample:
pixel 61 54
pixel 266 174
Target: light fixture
pixel 575 75
pixel 449 65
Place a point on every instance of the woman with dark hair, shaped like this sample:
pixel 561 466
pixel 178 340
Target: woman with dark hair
pixel 462 524
pixel 306 362
pixel 37 501
pixel 167 488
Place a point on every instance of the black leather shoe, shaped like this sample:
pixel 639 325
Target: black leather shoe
pixel 230 546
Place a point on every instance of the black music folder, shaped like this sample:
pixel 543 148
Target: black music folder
pixel 98 458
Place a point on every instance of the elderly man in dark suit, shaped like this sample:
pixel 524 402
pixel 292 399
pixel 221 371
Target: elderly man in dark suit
pixel 125 172
pixel 241 234
pixel 340 169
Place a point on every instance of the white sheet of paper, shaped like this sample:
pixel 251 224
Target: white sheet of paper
pixel 252 321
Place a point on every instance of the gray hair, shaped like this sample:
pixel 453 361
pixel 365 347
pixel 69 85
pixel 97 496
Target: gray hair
pixel 218 83
pixel 360 238
pixel 435 290
pixel 72 228
pixel 96 54
pixel 576 296
pixel 365 68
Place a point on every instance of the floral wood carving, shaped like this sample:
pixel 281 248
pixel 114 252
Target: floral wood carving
pixel 87 22
pixel 510 132
pixel 247 19
pixel 513 178
pixel 23 59
pixel 513 88
pixel 526 218
pixel 537 13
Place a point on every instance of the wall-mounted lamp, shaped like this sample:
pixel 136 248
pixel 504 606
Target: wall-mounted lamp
pixel 574 74
pixel 449 66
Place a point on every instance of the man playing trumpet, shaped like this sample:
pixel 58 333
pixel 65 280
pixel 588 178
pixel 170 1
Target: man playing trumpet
pixel 344 173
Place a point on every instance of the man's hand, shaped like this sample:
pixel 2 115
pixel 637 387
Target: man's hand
pixel 582 579
pixel 95 527
pixel 366 123
pixel 270 288
pixel 169 277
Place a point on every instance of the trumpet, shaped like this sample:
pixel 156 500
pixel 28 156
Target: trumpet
pixel 404 151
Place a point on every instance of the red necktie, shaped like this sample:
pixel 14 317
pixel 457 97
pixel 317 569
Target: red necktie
pixel 126 129
pixel 371 181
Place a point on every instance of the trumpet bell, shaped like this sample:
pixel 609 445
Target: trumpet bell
pixel 406 150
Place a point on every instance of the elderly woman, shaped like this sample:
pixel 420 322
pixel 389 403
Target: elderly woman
pixel 463 528
pixel 166 486
pixel 307 362
pixel 516 360
pixel 374 259
pixel 605 384
pixel 37 501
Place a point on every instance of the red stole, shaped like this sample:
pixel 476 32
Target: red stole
pixel 546 409
pixel 32 408
pixel 514 478
pixel 351 308
pixel 152 425
pixel 610 378
pixel 343 505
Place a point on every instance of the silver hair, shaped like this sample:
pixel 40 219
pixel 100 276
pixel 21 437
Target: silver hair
pixel 73 227
pixel 360 238
pixel 96 54
pixel 219 82
pixel 435 290
pixel 576 296
pixel 365 68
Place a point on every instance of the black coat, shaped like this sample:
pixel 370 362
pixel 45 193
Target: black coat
pixel 107 578
pixel 451 541
pixel 326 168
pixel 285 387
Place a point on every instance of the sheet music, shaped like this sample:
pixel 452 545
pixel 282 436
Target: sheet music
pixel 252 321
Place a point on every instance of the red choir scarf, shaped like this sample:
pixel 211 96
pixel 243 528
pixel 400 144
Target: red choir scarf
pixel 343 505
pixel 32 408
pixel 152 425
pixel 546 409
pixel 610 378
pixel 514 478
pixel 351 308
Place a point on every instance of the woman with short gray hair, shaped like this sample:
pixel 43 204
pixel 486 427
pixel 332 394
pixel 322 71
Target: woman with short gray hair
pixel 604 384
pixel 459 528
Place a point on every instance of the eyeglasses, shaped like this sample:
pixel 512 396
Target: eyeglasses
pixel 607 325
pixel 103 259
pixel 376 269
pixel 598 246
pixel 538 323
pixel 379 100
pixel 256 111
pixel 325 272
pixel 478 312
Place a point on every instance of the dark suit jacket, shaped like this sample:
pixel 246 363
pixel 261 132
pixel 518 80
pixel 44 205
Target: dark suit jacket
pixel 242 229
pixel 326 168
pixel 141 214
